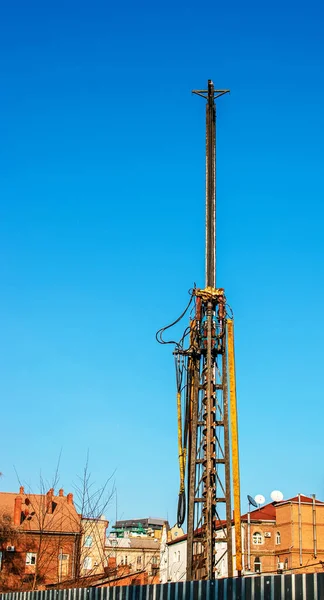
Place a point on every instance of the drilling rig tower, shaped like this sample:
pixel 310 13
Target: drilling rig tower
pixel 206 403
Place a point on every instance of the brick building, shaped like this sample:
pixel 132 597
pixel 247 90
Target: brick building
pixel 40 539
pixel 285 536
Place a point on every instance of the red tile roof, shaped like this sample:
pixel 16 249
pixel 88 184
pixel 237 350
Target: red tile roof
pixel 303 499
pixel 268 512
pixel 181 538
pixel 35 516
pixel 264 513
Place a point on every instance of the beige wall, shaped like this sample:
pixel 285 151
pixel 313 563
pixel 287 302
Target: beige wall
pixel 136 558
pixel 92 554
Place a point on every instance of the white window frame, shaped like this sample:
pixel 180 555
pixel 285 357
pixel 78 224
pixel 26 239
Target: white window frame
pixel 278 538
pixel 88 541
pixel 257 538
pixel 31 558
pixel 87 563
pixel 259 563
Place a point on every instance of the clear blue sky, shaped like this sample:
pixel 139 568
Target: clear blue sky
pixel 102 234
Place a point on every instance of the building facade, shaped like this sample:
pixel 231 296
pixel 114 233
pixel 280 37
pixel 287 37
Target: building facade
pixel 280 537
pixel 286 536
pixel 141 527
pixel 138 554
pixel 40 539
pixel 93 542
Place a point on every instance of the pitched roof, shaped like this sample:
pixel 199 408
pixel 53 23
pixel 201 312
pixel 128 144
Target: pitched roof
pixel 144 543
pixel 268 512
pixel 181 538
pixel 303 499
pixel 264 513
pixel 42 512
pixel 7 501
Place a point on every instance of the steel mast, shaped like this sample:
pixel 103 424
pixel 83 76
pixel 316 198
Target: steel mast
pixel 209 487
pixel 203 403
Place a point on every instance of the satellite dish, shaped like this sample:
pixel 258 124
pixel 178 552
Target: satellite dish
pixel 276 496
pixel 252 501
pixel 259 499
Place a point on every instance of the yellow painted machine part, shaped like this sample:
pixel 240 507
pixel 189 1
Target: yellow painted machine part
pixel 235 448
pixel 181 450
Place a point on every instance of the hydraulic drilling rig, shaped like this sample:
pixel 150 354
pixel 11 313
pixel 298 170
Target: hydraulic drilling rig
pixel 206 403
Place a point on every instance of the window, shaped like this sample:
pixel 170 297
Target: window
pixel 87 563
pixel 286 563
pixel 278 537
pixel 125 560
pixel 257 565
pixel 31 558
pixel 139 563
pixel 63 565
pixel 154 560
pixel 257 538
pixel 88 541
pixel 0 560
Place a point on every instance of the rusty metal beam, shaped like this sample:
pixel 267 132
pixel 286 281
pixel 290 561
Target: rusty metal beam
pixel 210 249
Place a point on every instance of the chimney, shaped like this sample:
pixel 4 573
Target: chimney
pixel 17 510
pixel 21 490
pixel 49 503
pixel 61 492
pixel 69 498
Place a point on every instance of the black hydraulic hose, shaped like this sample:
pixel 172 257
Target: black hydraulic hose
pixel 181 514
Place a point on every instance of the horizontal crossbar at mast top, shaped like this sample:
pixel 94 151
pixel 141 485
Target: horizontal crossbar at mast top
pixel 216 93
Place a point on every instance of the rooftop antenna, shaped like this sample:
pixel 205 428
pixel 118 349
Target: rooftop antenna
pixel 252 502
pixel 276 496
pixel 259 499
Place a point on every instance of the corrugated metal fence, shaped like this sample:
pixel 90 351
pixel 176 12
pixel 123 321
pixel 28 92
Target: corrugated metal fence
pixel 272 587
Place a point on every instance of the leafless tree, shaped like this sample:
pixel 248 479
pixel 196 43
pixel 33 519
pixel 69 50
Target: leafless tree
pixel 38 537
pixel 92 503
